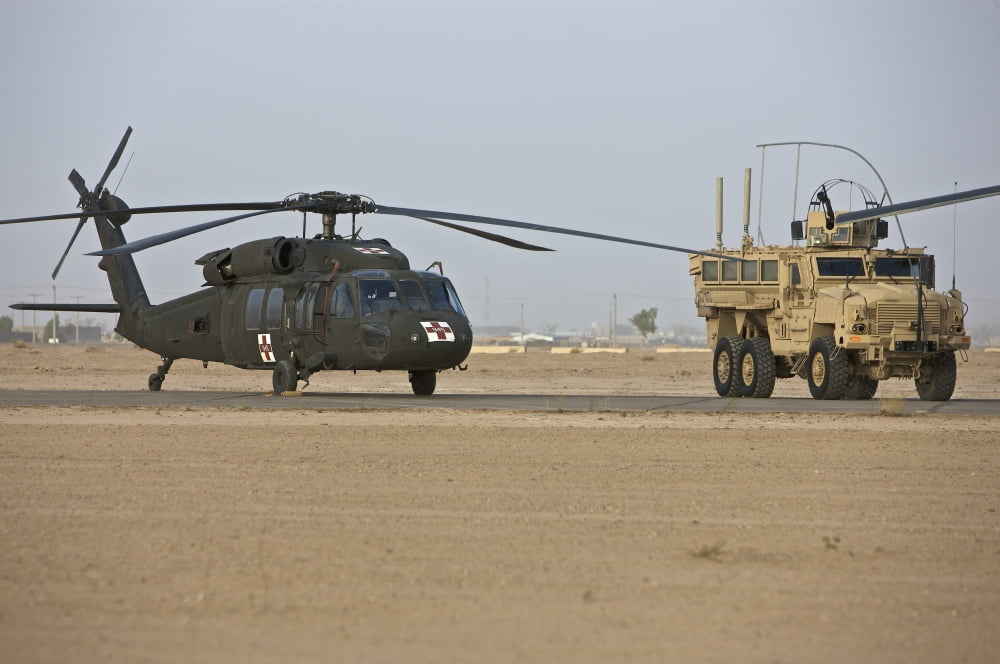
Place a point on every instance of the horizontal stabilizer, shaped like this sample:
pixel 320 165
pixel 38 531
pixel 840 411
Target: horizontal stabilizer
pixel 83 308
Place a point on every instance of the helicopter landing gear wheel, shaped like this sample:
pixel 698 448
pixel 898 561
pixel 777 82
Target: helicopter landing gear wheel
pixel 285 377
pixel 940 385
pixel 724 366
pixel 754 371
pixel 828 369
pixel 860 388
pixel 155 381
pixel 423 382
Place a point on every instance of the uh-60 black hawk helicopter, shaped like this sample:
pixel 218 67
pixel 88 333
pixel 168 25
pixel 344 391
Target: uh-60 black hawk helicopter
pixel 291 305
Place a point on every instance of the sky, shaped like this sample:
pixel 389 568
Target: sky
pixel 605 116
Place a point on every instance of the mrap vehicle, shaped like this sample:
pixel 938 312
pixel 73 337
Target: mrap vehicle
pixel 835 310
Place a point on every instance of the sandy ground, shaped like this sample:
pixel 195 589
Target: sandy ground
pixel 168 535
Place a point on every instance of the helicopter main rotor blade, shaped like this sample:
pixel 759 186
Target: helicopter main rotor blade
pixel 917 205
pixel 163 238
pixel 421 214
pixel 159 209
pixel 509 241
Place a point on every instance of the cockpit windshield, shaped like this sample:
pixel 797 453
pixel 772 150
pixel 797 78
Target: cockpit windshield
pixel 907 267
pixel 424 294
pixel 840 267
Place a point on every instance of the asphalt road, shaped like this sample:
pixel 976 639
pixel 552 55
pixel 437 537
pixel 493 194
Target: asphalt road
pixel 513 402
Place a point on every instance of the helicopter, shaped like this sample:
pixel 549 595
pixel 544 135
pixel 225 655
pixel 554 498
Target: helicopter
pixel 293 306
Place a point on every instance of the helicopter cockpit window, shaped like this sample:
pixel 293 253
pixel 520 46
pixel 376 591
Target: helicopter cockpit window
pixel 840 267
pixel 710 270
pixel 379 295
pixel 443 296
pixel 341 304
pixel 413 295
pixel 254 300
pixel 274 302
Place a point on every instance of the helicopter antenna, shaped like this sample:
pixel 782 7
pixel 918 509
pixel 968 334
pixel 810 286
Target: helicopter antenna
pixel 124 171
pixel 954 223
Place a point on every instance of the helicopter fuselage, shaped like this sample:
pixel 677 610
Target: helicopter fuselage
pixel 265 303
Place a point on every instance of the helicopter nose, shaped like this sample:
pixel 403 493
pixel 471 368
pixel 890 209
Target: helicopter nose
pixel 416 340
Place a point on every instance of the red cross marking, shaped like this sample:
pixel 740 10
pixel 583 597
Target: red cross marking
pixel 442 331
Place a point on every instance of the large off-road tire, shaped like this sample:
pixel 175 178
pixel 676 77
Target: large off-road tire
pixel 860 388
pixel 285 377
pixel 828 369
pixel 724 366
pixel 755 370
pixel 423 382
pixel 940 384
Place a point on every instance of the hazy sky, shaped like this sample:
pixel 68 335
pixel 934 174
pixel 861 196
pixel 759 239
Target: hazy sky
pixel 612 117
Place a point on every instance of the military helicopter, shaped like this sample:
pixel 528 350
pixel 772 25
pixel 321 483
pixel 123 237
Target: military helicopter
pixel 292 305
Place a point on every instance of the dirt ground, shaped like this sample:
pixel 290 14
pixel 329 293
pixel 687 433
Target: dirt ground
pixel 167 535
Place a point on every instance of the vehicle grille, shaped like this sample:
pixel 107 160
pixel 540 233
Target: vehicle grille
pixel 889 314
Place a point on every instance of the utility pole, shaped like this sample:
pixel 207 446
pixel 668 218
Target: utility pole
pixel 34 319
pixel 55 316
pixel 77 298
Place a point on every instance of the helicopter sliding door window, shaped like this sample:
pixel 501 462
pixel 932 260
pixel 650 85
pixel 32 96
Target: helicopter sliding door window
pixel 275 298
pixel 254 301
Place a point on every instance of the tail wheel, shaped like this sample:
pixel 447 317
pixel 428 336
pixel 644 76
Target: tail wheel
pixel 423 382
pixel 940 384
pixel 724 366
pixel 755 368
pixel 861 388
pixel 285 377
pixel 828 369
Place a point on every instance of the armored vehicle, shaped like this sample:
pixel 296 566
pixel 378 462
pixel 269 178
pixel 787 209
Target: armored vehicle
pixel 831 308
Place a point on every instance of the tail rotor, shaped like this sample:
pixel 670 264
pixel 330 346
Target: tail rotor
pixel 91 201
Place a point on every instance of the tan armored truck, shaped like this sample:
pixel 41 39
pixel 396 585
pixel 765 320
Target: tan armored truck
pixel 835 309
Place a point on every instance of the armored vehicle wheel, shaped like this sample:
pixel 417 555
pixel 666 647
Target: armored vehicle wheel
pixel 940 384
pixel 423 382
pixel 155 382
pixel 828 369
pixel 861 388
pixel 754 370
pixel 724 366
pixel 285 377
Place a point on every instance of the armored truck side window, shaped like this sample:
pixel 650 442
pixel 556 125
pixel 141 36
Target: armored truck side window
pixel 730 270
pixel 748 271
pixel 254 301
pixel 710 270
pixel 769 270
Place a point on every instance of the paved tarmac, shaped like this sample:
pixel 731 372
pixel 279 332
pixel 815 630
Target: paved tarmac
pixel 511 402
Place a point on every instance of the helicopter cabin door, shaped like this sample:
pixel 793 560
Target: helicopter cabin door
pixel 254 327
